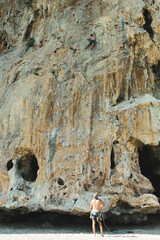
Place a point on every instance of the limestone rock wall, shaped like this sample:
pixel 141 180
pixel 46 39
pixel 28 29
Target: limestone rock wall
pixel 73 120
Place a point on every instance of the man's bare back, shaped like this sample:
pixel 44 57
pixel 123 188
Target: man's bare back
pixel 96 204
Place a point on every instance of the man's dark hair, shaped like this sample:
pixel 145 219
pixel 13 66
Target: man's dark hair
pixel 96 195
pixel 91 34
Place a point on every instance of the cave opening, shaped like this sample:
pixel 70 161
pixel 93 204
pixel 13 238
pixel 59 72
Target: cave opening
pixel 149 162
pixel 28 167
pixel 38 218
pixel 148 21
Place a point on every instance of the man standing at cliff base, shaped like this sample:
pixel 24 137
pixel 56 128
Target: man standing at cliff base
pixel 96 204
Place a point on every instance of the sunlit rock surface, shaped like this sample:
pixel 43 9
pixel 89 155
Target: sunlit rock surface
pixel 73 120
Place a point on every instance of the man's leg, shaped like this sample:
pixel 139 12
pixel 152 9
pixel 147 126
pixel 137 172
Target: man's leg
pixel 92 46
pixel 101 228
pixel 87 46
pixel 94 226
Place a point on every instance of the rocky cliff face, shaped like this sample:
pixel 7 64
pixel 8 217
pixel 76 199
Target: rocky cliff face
pixel 74 121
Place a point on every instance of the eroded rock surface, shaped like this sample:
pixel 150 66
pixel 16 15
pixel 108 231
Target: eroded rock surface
pixel 73 120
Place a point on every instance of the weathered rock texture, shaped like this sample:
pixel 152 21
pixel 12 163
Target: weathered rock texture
pixel 73 120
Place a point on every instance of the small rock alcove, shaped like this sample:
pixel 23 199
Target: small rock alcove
pixel 9 165
pixel 112 159
pixel 28 32
pixel 28 167
pixel 60 181
pixel 156 74
pixel 148 23
pixel 149 162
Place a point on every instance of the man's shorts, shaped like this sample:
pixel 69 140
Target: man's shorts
pixel 96 216
pixel 92 41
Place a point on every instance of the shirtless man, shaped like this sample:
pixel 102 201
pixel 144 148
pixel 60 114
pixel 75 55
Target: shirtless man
pixel 96 204
pixel 92 41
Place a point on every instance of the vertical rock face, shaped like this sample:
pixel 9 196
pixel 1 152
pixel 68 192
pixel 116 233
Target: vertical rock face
pixel 73 120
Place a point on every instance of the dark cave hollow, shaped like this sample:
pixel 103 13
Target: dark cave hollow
pixel 28 167
pixel 149 162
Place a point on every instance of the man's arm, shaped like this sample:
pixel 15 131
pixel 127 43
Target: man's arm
pixel 91 206
pixel 102 204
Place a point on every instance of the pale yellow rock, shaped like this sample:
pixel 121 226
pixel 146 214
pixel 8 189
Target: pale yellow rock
pixel 82 120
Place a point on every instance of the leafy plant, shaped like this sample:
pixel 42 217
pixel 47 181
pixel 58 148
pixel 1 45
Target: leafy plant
pixel 53 71
pixel 73 49
pixel 36 73
pixel 30 43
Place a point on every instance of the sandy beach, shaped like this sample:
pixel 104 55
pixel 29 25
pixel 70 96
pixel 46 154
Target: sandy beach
pixel 48 231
